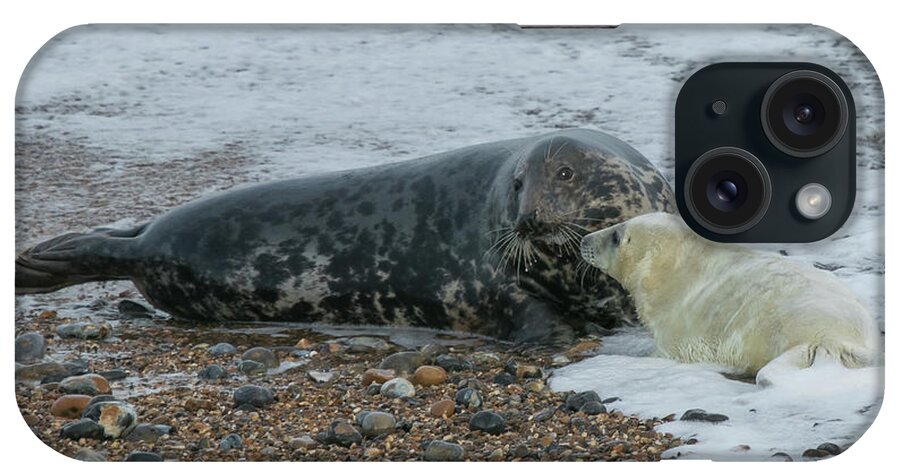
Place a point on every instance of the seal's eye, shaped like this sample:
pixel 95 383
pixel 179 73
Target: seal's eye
pixel 517 184
pixel 565 174
pixel 616 238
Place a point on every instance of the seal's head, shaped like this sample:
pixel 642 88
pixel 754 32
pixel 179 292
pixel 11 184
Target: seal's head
pixel 638 248
pixel 571 183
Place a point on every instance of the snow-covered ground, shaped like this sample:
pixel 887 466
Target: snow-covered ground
pixel 117 124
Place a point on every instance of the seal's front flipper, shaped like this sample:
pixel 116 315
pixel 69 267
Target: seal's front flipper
pixel 74 258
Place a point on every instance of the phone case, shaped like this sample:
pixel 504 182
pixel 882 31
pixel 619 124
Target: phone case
pixel 367 243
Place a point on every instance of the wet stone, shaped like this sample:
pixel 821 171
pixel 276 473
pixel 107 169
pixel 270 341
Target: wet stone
pixel 76 366
pixel 397 388
pixel 143 456
pixel 488 422
pixel 115 374
pixel 131 309
pixel 148 433
pixel 469 398
pixel 403 363
pixel 830 448
pixel 377 423
pixel 83 330
pixel 252 367
pixel 83 428
pixel 212 372
pixel 429 375
pixel 781 456
pixel 451 363
pixel 30 347
pixel 535 386
pixel 575 401
pixel 815 453
pixel 438 450
pixel 70 406
pixel 41 370
pixel 231 442
pixel 115 417
pixel 559 360
pixel 253 395
pixel 342 433
pixel 443 408
pixel 304 442
pixel 88 384
pixel 697 414
pixel 222 348
pixel 261 355
pixel 504 379
pixel 377 376
pixel 592 408
pixel 433 349
pixel 87 454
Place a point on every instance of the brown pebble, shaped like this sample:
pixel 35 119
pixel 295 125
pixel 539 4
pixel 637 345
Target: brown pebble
pixel 443 408
pixel 304 343
pixel 47 315
pixel 377 376
pixel 194 404
pixel 69 406
pixel 429 375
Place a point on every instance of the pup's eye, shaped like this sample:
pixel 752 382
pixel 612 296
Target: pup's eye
pixel 616 238
pixel 565 174
pixel 517 184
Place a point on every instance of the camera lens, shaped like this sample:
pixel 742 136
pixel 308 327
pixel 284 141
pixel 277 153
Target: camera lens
pixel 727 190
pixel 804 113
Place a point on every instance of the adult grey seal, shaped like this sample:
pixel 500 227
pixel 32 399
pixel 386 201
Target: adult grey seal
pixel 482 239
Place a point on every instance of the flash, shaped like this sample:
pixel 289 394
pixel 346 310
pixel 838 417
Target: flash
pixel 813 201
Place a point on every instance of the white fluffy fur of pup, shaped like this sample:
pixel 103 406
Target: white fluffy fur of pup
pixel 711 302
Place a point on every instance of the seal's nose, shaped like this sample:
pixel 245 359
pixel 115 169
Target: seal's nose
pixel 528 222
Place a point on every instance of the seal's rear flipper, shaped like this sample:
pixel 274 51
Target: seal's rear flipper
pixel 74 258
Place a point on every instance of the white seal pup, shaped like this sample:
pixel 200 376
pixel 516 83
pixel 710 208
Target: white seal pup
pixel 726 304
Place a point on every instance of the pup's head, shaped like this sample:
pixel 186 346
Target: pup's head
pixel 637 246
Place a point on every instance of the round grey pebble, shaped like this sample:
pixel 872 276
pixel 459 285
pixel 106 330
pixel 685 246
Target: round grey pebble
pixel 453 364
pixel 488 422
pixel 469 398
pixel 253 395
pixel 504 379
pixel 262 355
pixel 398 388
pixel 147 432
pixel 438 450
pixel 404 363
pixel 377 423
pixel 143 456
pixel 83 385
pixel 114 374
pixel 84 330
pixel 252 367
pixel 222 348
pixel 212 372
pixel 575 401
pixel 30 347
pixel 83 428
pixel 231 442
pixel 593 408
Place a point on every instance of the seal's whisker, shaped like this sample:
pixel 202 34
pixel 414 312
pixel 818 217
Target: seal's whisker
pixel 561 147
